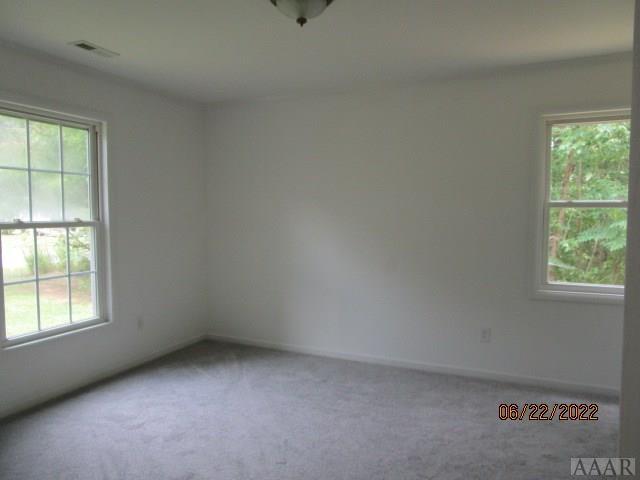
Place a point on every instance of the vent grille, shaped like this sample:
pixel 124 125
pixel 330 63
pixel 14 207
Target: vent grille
pixel 85 46
pixel 93 48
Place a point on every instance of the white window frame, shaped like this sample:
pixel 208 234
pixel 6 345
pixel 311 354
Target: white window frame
pixel 542 288
pixel 99 208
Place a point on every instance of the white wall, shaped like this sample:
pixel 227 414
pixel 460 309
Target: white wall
pixel 398 223
pixel 157 191
pixel 390 223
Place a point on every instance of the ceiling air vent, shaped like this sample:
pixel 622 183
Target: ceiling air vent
pixel 92 47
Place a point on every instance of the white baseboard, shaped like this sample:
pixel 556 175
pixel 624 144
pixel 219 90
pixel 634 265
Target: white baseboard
pixel 428 367
pixel 40 399
pixel 424 366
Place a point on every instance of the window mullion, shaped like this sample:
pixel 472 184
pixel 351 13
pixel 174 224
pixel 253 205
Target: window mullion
pixel 69 275
pixel 3 327
pixel 42 170
pixel 52 277
pixel 65 224
pixel 35 267
pixel 94 174
pixel 64 214
pixel 28 125
pixel 587 203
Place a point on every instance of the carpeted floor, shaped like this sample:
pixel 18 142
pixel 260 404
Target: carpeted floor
pixel 219 412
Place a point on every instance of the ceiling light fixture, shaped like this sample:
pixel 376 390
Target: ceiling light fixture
pixel 301 10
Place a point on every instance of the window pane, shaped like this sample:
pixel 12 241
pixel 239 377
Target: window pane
pixel 76 197
pixel 81 248
pixel 13 141
pixel 590 161
pixel 75 148
pixel 14 195
pixel 46 194
pixel 82 294
pixel 44 139
pixel 17 255
pixel 54 302
pixel 52 252
pixel 587 245
pixel 20 309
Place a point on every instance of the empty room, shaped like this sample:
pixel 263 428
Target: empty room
pixel 319 239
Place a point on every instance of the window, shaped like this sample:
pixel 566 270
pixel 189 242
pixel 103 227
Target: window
pixel 50 226
pixel 584 209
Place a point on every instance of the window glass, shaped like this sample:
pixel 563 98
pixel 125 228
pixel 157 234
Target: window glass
pixel 44 144
pixel 590 161
pixel 75 148
pixel 13 142
pixel 587 245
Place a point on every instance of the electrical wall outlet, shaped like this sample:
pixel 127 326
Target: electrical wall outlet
pixel 485 335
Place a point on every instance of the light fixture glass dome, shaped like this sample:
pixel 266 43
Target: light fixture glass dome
pixel 301 10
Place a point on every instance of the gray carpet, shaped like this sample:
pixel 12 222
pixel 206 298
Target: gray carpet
pixel 218 411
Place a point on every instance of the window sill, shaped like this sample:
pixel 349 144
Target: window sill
pixel 53 333
pixel 550 292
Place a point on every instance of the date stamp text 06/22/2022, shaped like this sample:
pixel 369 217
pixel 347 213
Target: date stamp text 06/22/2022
pixel 548 412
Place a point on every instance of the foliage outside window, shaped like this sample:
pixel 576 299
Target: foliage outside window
pixel 49 225
pixel 585 208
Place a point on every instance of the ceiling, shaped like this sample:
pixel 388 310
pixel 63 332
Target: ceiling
pixel 213 50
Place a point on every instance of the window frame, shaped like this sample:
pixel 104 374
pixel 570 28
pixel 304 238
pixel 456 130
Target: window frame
pixel 542 288
pixel 96 148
